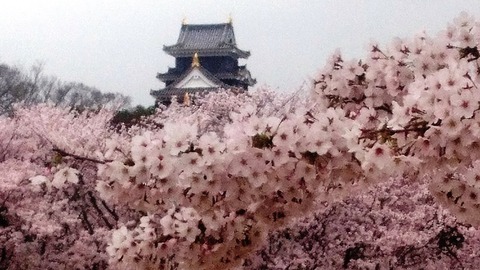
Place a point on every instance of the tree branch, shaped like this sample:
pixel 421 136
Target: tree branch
pixel 93 200
pixel 66 154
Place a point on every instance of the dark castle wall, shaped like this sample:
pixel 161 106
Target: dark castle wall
pixel 214 64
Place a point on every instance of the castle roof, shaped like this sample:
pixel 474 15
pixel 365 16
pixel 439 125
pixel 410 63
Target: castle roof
pixel 242 74
pixel 206 40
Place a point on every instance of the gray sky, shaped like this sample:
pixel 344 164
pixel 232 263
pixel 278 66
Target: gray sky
pixel 116 45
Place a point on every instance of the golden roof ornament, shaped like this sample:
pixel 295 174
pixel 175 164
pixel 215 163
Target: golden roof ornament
pixel 186 99
pixel 184 21
pixel 230 20
pixel 195 60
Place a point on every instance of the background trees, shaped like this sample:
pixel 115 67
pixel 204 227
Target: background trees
pixel 28 88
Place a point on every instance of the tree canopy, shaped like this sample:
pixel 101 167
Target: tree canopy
pixel 28 88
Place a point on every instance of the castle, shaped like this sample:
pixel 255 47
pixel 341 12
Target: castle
pixel 206 59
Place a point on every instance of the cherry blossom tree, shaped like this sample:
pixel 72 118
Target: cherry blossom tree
pixel 406 111
pixel 201 186
pixel 50 214
pixel 393 225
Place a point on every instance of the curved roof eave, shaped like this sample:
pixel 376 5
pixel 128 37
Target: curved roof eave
pixel 177 51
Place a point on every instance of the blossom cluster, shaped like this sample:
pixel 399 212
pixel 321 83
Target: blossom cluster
pixel 393 225
pixel 50 214
pixel 404 111
pixel 419 99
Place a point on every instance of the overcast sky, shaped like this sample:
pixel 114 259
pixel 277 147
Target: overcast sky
pixel 116 45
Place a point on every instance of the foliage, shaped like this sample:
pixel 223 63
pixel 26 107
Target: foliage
pixel 130 117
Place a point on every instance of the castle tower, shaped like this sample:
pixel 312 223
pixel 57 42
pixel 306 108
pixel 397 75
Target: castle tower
pixel 206 59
